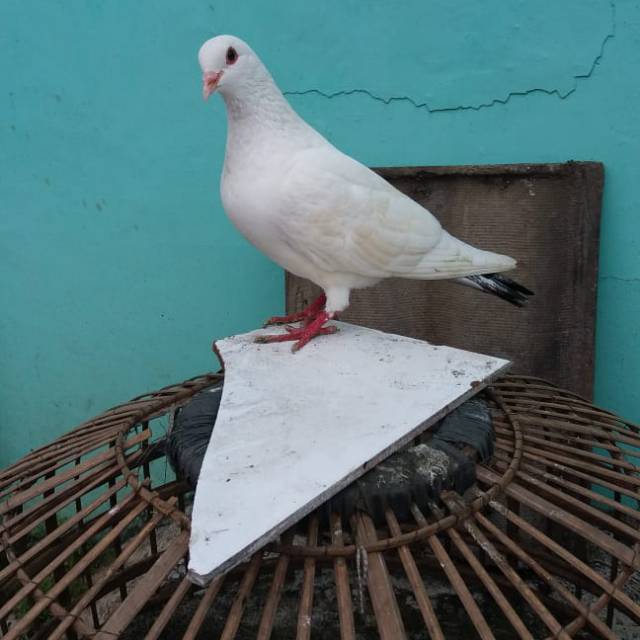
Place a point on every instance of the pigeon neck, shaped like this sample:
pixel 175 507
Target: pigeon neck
pixel 259 105
pixel 259 116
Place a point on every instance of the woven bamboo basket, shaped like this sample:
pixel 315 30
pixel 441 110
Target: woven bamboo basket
pixel 95 533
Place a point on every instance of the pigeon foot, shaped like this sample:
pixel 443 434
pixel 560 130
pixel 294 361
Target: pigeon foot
pixel 306 315
pixel 304 334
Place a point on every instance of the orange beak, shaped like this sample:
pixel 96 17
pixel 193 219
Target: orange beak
pixel 210 81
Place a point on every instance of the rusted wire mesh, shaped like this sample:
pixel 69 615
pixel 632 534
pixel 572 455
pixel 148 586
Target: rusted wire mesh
pixel 545 546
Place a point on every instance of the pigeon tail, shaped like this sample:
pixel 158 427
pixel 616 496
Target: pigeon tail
pixel 452 258
pixel 499 285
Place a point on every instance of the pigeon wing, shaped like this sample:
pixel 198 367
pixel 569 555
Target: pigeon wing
pixel 345 218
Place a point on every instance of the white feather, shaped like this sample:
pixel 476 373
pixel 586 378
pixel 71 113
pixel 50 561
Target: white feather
pixel 314 210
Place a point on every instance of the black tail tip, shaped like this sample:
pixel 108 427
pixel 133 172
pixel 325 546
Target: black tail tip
pixel 503 287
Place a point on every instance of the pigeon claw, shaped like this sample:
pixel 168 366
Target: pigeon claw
pixel 306 315
pixel 302 335
pixel 280 320
pixel 325 331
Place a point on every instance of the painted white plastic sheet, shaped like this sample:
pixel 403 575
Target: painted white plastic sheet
pixel 294 429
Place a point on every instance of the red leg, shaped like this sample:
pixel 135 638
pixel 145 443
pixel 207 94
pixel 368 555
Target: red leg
pixel 305 315
pixel 303 334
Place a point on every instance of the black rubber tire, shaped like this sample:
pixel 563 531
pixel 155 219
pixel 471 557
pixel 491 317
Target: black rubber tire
pixel 192 428
pixel 417 473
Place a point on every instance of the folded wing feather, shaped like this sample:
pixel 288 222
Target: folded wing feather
pixel 345 218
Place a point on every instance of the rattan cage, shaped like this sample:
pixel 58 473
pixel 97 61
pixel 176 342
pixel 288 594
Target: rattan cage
pixel 95 534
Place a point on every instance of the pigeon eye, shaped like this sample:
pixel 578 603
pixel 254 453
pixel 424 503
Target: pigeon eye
pixel 232 55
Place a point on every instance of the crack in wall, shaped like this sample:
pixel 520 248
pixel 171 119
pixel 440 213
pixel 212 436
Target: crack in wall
pixel 477 107
pixel 619 279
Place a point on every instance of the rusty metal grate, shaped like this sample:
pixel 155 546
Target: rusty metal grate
pixel 545 546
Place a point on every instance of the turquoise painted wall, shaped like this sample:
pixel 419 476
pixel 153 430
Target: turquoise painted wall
pixel 118 266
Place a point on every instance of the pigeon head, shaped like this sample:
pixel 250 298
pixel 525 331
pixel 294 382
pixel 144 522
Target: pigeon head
pixel 228 64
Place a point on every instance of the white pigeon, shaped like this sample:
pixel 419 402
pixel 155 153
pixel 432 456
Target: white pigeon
pixel 319 213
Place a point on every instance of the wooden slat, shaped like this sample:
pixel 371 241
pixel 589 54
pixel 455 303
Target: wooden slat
pixel 509 572
pixel 343 590
pixel 131 547
pixel 457 582
pixel 240 601
pixel 564 469
pixel 381 593
pixel 144 588
pixel 169 609
pixel 77 568
pixel 561 516
pixel 417 584
pixel 308 580
pixel 42 545
pixel 93 464
pixel 203 608
pixel 273 597
pixel 553 582
pixel 560 551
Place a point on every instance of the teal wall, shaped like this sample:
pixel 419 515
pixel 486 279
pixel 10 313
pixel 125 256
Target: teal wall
pixel 118 266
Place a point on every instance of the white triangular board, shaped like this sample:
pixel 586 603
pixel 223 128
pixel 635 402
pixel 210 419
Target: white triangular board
pixel 294 429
